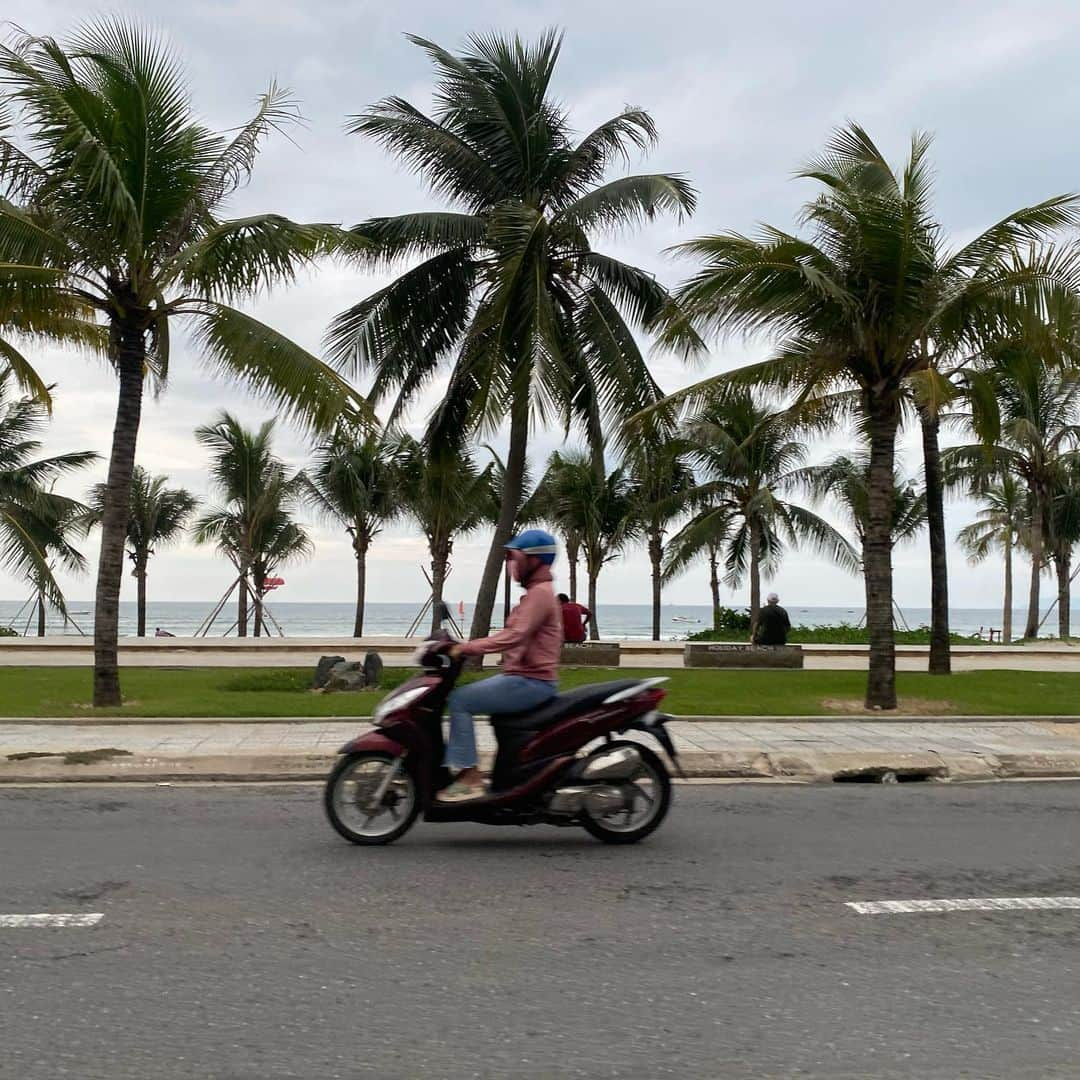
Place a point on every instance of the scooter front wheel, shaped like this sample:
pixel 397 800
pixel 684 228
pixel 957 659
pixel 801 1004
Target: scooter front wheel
pixel 646 800
pixel 371 798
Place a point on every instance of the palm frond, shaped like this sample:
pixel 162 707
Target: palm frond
pixel 241 348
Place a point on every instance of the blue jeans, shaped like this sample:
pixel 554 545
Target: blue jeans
pixel 499 694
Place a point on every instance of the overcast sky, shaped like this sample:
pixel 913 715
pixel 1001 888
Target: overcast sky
pixel 742 94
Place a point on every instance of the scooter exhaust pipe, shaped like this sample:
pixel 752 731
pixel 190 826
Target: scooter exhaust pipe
pixel 597 799
pixel 618 764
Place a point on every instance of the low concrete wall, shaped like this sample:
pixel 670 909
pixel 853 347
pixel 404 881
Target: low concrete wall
pixel 591 654
pixel 721 655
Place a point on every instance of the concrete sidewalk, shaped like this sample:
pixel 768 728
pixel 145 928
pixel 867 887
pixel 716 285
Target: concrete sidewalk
pixel 273 750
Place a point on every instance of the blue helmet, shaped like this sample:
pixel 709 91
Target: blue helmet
pixel 535 542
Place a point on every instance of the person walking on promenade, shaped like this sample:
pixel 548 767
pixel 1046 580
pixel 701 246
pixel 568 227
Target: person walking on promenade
pixel 773 623
pixel 575 619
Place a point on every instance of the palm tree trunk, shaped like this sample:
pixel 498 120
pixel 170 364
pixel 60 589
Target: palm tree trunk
pixel 130 362
pixel 259 580
pixel 513 480
pixel 1064 570
pixel 594 622
pixel 881 408
pixel 755 575
pixel 440 556
pixel 656 555
pixel 572 552
pixel 1031 629
pixel 360 550
pixel 41 615
pixel 1006 615
pixel 714 585
pixel 940 653
pixel 242 605
pixel 140 598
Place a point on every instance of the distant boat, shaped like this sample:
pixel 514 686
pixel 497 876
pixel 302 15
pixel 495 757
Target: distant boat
pixel 684 618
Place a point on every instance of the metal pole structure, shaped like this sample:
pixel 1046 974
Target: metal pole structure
pixel 1050 609
pixel 207 623
pixel 416 623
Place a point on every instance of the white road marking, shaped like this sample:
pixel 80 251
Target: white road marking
pixel 977 903
pixel 91 918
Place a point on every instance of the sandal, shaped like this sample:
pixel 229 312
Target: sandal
pixel 459 791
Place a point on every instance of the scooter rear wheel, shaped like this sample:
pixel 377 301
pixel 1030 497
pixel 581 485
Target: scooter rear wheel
pixel 652 786
pixel 355 779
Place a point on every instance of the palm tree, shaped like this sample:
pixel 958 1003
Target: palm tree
pixel 251 525
pixel 599 510
pixel 111 220
pixel 1027 414
pixel 157 516
pixel 354 482
pixel 660 478
pixel 869 302
pixel 1002 523
pixel 278 540
pixel 844 479
pixel 536 324
pixel 448 496
pixel 747 455
pixel 35 522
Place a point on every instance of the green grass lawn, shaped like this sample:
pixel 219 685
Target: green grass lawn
pixel 283 692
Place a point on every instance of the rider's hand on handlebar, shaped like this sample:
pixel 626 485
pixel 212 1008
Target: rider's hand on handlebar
pixel 455 652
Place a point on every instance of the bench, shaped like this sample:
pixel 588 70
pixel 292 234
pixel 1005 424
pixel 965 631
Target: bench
pixel 702 654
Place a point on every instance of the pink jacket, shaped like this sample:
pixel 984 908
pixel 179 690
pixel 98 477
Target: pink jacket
pixel 533 635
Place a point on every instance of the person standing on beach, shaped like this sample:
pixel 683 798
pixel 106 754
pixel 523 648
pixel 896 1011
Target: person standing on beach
pixel 575 618
pixel 773 623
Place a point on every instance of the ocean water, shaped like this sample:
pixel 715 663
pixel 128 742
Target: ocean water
pixel 625 621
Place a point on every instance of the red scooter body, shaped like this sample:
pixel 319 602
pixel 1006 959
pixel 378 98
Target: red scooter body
pixel 538 751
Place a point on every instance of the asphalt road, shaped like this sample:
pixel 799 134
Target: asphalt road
pixel 242 939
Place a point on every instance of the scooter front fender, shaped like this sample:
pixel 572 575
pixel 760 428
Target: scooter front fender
pixel 373 742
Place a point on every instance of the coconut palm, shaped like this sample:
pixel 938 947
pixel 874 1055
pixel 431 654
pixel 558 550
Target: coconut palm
pixel 1027 414
pixel 844 479
pixel 448 496
pixel 597 509
pixel 278 540
pixel 1002 524
pixel 157 516
pixel 354 483
pixel 542 507
pixel 660 478
pixel 747 456
pixel 508 290
pixel 35 523
pixel 869 302
pixel 252 525
pixel 113 193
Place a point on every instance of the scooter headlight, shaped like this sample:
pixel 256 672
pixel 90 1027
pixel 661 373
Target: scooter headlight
pixel 395 702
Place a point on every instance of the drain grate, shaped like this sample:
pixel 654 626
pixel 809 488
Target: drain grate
pixel 884 776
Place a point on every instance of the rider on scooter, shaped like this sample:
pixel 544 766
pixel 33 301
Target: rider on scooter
pixel 529 642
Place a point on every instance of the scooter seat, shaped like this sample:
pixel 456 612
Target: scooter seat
pixel 562 706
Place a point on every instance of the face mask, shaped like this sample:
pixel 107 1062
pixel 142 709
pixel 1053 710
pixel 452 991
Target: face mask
pixel 518 563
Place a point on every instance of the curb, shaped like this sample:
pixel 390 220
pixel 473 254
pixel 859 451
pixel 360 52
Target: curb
pixel 809 767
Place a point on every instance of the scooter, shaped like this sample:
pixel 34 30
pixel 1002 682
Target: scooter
pixel 547 768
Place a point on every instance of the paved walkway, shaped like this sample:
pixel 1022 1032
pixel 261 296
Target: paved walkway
pixel 174 738
pixel 799 750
